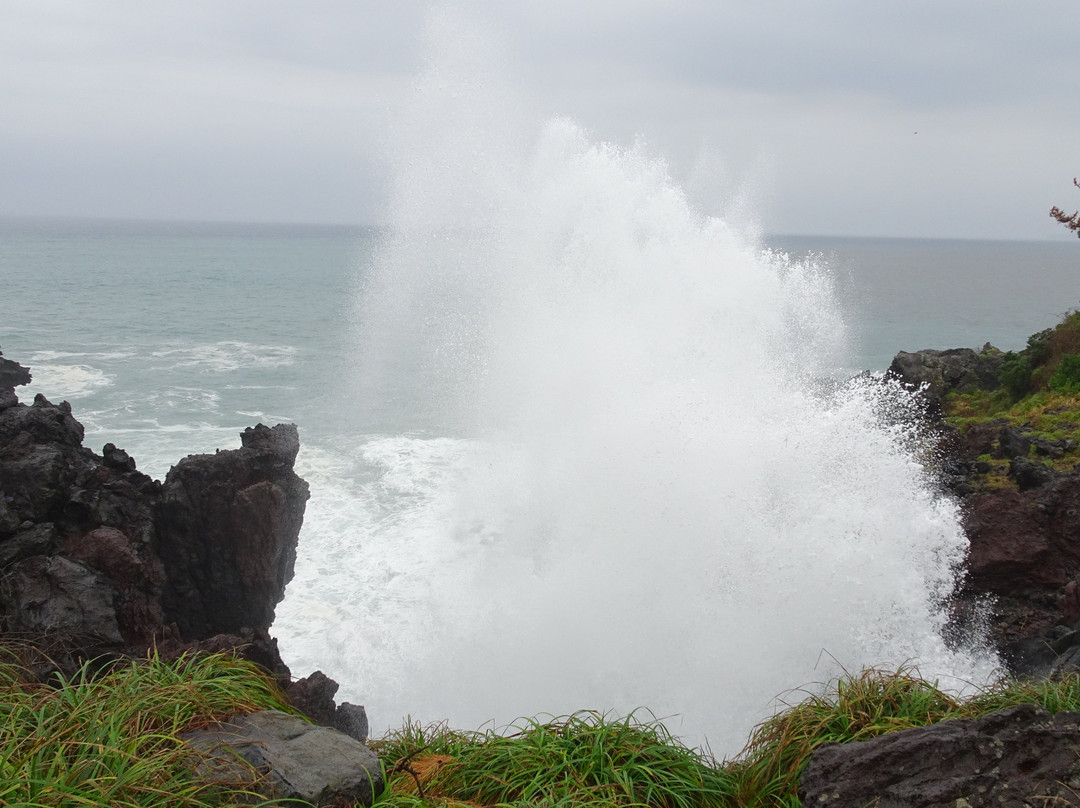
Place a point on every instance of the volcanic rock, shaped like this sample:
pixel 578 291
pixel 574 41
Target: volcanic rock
pixel 227 526
pixel 1022 756
pixel 937 373
pixel 12 375
pixel 314 697
pixel 97 558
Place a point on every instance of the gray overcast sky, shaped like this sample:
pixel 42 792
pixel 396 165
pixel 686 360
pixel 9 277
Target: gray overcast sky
pixel 956 118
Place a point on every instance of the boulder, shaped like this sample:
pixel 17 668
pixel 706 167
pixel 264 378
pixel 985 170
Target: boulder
pixel 1027 474
pixel 1022 756
pixel 284 757
pixel 937 373
pixel 1012 443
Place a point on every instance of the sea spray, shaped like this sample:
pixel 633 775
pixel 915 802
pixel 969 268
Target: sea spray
pixel 632 481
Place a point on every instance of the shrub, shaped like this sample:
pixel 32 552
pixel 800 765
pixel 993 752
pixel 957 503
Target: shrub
pixel 1015 375
pixel 1066 379
pixel 1038 346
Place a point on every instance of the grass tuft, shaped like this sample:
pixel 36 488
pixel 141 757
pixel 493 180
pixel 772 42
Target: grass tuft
pixel 854 709
pixel 591 759
pixel 587 758
pixel 111 740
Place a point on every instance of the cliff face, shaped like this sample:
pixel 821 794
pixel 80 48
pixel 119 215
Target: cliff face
pixel 1009 427
pixel 97 558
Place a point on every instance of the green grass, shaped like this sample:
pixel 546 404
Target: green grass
pixel 854 709
pixel 589 759
pixel 111 739
pixel 1045 414
pixel 582 759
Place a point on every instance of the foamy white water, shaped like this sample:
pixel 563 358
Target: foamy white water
pixel 642 492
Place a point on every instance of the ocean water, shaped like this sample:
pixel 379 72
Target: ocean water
pixel 561 462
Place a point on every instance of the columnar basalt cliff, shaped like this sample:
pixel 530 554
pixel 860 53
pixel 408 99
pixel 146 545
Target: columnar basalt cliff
pixel 96 558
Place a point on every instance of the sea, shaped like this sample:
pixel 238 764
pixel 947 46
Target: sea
pixel 600 452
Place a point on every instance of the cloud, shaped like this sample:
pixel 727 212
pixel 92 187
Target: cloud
pixel 252 109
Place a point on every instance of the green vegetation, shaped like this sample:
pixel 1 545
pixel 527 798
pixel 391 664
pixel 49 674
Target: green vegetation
pixel 1038 393
pixel 1066 379
pixel 111 740
pixel 589 759
pixel 582 759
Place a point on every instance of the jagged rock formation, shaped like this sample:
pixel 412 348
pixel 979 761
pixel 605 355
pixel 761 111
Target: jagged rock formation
pixel 226 527
pixel 1022 756
pixel 99 560
pixel 96 558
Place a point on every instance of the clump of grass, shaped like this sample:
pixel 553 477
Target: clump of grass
pixel 589 759
pixel 582 759
pixel 111 740
pixel 1055 695
pixel 854 709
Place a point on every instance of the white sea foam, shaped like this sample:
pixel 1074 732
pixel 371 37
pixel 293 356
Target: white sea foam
pixel 187 399
pixel 221 357
pixel 657 503
pixel 59 382
pixel 52 356
pixel 266 418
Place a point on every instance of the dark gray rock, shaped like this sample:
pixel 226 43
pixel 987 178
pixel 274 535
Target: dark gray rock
pixel 38 539
pixel 227 527
pixel 117 458
pixel 937 373
pixel 9 522
pixel 100 559
pixel 352 720
pixel 97 559
pixel 36 478
pixel 55 597
pixel 12 374
pixel 43 422
pixel 284 757
pixel 1028 475
pixel 8 399
pixel 314 696
pixel 1022 756
pixel 1051 448
pixel 1012 443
